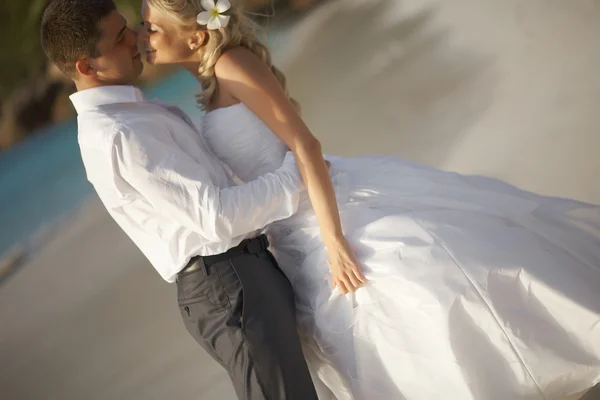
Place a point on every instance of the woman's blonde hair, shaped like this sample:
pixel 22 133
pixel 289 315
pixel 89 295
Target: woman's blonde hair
pixel 241 31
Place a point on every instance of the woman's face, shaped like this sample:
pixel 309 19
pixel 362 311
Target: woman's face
pixel 165 42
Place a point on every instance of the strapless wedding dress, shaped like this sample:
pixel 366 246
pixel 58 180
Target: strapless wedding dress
pixel 477 290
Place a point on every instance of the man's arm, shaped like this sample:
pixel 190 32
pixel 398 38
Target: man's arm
pixel 182 189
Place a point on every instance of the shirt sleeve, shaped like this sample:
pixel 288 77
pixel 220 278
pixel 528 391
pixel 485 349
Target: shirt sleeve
pixel 179 187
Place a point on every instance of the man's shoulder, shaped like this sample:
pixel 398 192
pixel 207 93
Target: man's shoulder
pixel 100 128
pixel 106 137
pixel 96 131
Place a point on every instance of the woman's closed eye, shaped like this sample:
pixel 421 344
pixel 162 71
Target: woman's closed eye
pixel 148 27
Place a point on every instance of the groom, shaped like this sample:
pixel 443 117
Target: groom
pixel 157 179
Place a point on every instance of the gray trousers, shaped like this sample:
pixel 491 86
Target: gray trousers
pixel 241 311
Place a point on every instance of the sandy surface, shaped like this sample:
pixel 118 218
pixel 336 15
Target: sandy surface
pixel 504 88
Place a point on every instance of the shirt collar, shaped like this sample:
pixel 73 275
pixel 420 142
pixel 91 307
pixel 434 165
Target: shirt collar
pixel 103 95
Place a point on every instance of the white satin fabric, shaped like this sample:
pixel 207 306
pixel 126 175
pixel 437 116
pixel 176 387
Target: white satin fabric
pixel 477 290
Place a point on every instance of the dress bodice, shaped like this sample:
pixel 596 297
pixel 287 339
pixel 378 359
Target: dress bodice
pixel 243 141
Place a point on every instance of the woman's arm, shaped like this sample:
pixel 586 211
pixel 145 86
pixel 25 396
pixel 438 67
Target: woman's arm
pixel 249 80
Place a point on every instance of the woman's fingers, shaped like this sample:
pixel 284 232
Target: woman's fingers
pixel 342 285
pixel 354 280
pixel 359 275
pixel 348 277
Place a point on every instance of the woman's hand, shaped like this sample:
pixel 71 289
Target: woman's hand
pixel 345 270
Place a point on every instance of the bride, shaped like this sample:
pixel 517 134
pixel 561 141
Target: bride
pixel 410 282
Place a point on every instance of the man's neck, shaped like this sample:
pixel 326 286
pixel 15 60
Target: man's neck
pixel 84 85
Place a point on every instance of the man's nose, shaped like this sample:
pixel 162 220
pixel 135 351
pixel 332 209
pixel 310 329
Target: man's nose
pixel 132 36
pixel 143 33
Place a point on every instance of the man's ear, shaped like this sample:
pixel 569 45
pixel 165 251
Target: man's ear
pixel 84 68
pixel 197 40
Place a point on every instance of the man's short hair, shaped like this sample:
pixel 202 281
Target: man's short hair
pixel 69 30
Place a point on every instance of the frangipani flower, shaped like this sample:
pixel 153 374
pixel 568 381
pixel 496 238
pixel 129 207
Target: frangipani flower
pixel 212 17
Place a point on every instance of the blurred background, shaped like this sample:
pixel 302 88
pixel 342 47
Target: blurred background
pixel 503 88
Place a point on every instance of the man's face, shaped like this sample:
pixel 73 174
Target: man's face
pixel 120 61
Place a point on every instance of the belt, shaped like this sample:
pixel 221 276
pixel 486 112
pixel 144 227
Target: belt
pixel 252 246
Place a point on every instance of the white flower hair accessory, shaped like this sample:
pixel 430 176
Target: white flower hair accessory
pixel 213 16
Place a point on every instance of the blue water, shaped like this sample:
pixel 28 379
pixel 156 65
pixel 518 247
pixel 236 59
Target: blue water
pixel 42 179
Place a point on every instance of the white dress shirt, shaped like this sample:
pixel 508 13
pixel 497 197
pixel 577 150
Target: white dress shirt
pixel 156 177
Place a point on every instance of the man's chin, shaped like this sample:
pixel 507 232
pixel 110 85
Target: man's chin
pixel 130 79
pixel 139 69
